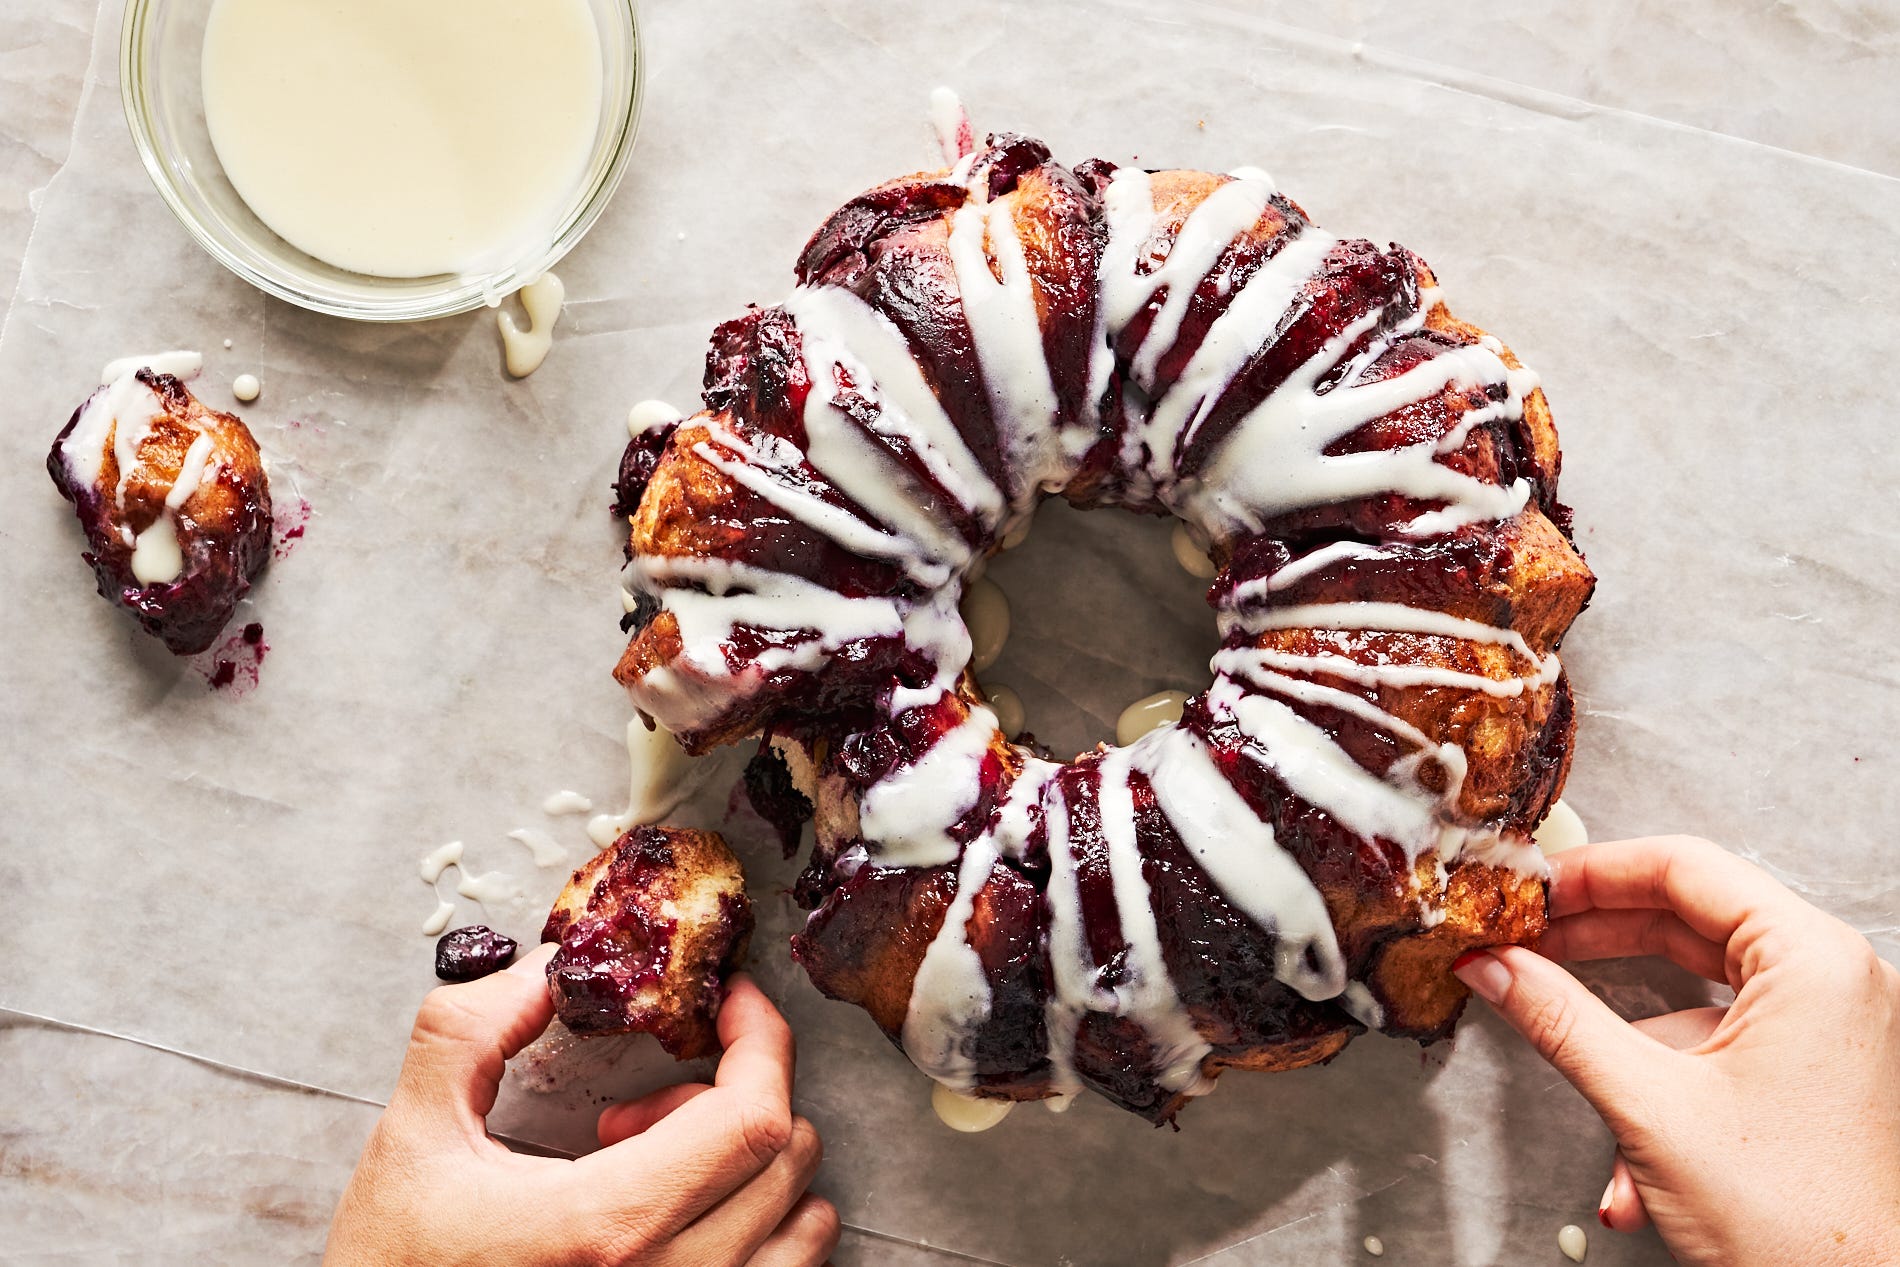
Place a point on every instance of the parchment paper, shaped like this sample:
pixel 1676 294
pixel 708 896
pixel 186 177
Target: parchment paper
pixel 233 873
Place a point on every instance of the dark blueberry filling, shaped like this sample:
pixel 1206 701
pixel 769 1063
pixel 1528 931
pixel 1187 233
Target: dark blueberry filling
pixel 768 785
pixel 637 464
pixel 605 963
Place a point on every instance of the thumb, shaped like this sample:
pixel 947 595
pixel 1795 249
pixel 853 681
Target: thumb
pixel 1603 1056
pixel 464 1037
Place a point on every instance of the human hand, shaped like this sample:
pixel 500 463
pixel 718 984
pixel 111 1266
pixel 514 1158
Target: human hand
pixel 1766 1132
pixel 691 1175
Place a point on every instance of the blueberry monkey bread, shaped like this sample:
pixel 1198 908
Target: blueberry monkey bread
pixel 1341 811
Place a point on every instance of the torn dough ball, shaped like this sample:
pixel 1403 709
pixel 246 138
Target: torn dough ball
pixel 174 502
pixel 648 929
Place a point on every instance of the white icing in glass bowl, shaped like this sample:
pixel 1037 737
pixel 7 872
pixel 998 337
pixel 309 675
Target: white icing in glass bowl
pixel 160 57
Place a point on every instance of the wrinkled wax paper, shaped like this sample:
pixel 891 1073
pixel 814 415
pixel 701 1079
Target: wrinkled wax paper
pixel 233 872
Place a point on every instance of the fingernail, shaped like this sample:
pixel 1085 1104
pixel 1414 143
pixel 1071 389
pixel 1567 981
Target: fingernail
pixel 1483 973
pixel 535 960
pixel 1603 1206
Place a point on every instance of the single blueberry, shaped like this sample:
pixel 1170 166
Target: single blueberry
pixel 471 953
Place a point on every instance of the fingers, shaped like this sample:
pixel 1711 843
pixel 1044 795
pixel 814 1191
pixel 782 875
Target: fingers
pixel 635 1117
pixel 1622 1209
pixel 1603 1056
pixel 1683 1030
pixel 733 1230
pixel 655 1183
pixel 464 1036
pixel 805 1237
pixel 1617 934
pixel 759 1052
pixel 1712 890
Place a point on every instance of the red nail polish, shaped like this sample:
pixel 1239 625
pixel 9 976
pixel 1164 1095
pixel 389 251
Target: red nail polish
pixel 1603 1217
pixel 1464 959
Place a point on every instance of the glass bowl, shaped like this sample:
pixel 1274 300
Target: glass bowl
pixel 160 56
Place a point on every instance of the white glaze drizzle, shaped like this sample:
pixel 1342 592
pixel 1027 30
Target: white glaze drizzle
pixel 1001 309
pixel 157 558
pixel 1146 995
pixel 440 859
pixel 439 918
pixel 1561 829
pixel 869 476
pixel 1071 971
pixel 119 418
pixel 1316 560
pixel 906 816
pixel 546 850
pixel 952 124
pixel 116 418
pixel 524 350
pixel 838 328
pixel 774 468
pixel 661 775
pixel 1274 462
pixel 950 976
pixel 566 801
pixel 1204 238
pixel 490 888
pixel 1361 1006
pixel 1248 321
pixel 1241 856
pixel 191 472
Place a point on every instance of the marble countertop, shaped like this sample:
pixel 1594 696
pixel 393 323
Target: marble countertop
pixel 1680 214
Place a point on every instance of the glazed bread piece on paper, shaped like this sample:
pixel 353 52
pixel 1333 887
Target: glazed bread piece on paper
pixel 174 501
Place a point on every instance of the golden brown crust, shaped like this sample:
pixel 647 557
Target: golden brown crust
pixel 1410 977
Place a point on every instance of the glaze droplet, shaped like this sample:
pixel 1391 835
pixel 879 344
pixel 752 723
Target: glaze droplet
pixel 1560 830
pixel 1150 713
pixel 649 414
pixel 967 1113
pixel 1008 707
pixel 985 611
pixel 1573 1243
pixel 1192 555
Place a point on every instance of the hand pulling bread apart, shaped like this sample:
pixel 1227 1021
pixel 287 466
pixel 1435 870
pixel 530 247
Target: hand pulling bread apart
pixel 647 930
pixel 174 501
